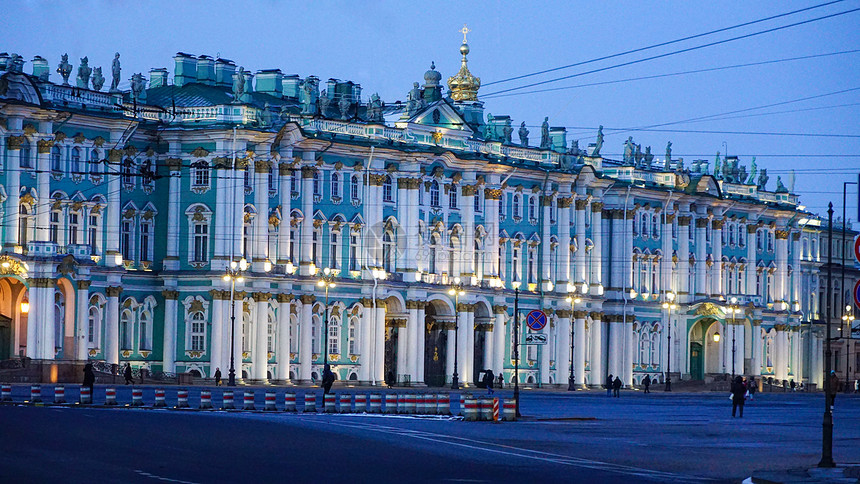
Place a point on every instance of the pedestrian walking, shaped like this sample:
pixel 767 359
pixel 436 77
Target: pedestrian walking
pixel 89 377
pixel 833 387
pixel 390 379
pixel 792 385
pixel 752 386
pixel 609 385
pixel 856 386
pixel 327 379
pixel 127 374
pixel 217 377
pixel 488 381
pixel 647 383
pixel 739 391
pixel 616 387
pixel 501 380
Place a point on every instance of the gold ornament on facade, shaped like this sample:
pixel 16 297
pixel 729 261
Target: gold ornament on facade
pixel 79 138
pixel 597 207
pixel 262 166
pixel 130 151
pixel 59 136
pixel 13 143
pixel 45 145
pixel 29 129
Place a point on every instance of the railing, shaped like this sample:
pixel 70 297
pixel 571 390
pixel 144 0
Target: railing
pixel 70 94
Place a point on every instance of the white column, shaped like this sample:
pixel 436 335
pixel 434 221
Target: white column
pixel 402 350
pixel 750 268
pixel 261 222
pixel 562 352
pixel 702 223
pixel 598 374
pixel 449 354
pixel 781 280
pixel 283 355
pixel 284 227
pixel 43 182
pixel 545 241
pixel 756 342
pixel 467 211
pixel 308 220
pixel 305 350
pixel 629 346
pixel 171 260
pixel 111 350
pixel 236 329
pixel 365 339
pixel 581 264
pixel 615 346
pixel 464 325
pixel 419 347
pixel 237 222
pixel 221 180
pixel 666 259
pixel 82 307
pixel 13 190
pixel 216 341
pixel 260 355
pixel 492 198
pixel 596 280
pixel 499 330
pixel 403 261
pixel 579 348
pixel 489 348
pixel 379 342
pixel 169 351
pixel 414 352
pixel 563 271
pixel 683 267
pixel 717 251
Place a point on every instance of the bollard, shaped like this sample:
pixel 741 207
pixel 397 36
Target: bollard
pixel 86 397
pixel 270 401
pixel 390 403
pixel 290 402
pixel 462 410
pixel 375 403
pixel 159 398
pixel 470 409
pixel 345 403
pixel 401 403
pixel 310 402
pixel 496 410
pixel 360 403
pixel 59 394
pixel 205 399
pixel 443 404
pixel 136 397
pixel 110 396
pixel 182 399
pixel 6 393
pixel 227 400
pixel 35 394
pixel 249 401
pixel 509 411
pixel 328 403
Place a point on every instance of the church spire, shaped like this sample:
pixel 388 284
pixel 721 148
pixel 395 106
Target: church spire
pixel 464 86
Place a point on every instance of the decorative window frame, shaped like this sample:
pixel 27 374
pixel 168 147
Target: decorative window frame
pixel 201 177
pixel 198 213
pixel 193 305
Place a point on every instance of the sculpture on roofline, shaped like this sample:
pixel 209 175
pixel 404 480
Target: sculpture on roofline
pixel 742 174
pixel 574 147
pixel 414 99
pixel 508 132
pixel 115 70
pixel 544 134
pixel 310 88
pixel 717 173
pixel 98 79
pixel 344 105
pixel 64 69
pixel 628 151
pixel 488 128
pixel 324 102
pixel 524 135
pixel 374 109
pixel 668 163
pixel 138 84
pixel 84 71
pixel 780 188
pixel 266 116
pixel 637 154
pixel 238 84
pixel 762 179
pixel 16 63
pixel 753 173
pixel 649 157
pixel 599 144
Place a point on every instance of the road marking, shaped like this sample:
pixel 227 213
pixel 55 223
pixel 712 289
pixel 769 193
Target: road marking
pixel 159 478
pixel 527 453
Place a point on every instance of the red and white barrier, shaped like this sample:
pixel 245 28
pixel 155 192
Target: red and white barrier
pixel 375 403
pixel 136 397
pixel 328 403
pixel 310 402
pixel 360 402
pixel 159 398
pixel 59 394
pixel 249 401
pixel 496 410
pixel 86 397
pixel 391 403
pixel 110 396
pixel 271 405
pixel 205 399
pixel 182 399
pixel 5 393
pixel 227 400
pixel 289 402
pixel 35 394
pixel 443 404
pixel 345 403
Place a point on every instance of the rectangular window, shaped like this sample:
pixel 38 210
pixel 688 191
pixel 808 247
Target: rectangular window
pixel 125 240
pixel 198 332
pixel 93 236
pixel 144 242
pixel 74 226
pixel 55 227
pixel 452 197
pixel 334 256
pixel 353 252
pixel 201 242
pixel 334 338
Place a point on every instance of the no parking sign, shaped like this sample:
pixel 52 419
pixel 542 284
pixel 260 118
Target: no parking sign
pixel 536 320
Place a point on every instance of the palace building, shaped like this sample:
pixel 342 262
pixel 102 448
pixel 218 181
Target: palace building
pixel 123 210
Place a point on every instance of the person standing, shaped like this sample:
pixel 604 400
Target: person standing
pixel 89 377
pixel 647 383
pixel 327 379
pixel 609 385
pixel 488 381
pixel 217 377
pixel 501 380
pixel 752 387
pixel 833 387
pixel 739 391
pixel 127 374
pixel 616 387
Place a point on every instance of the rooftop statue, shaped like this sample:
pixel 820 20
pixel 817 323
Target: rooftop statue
pixel 138 84
pixel 324 103
pixel 727 171
pixel 599 143
pixel 65 69
pixel 524 135
pixel 742 174
pixel 489 135
pixel 545 143
pixel 98 79
pixel 344 105
pixel 762 179
pixel 717 173
pixel 115 70
pixel 628 151
pixel 574 147
pixel 266 116
pixel 637 154
pixel 508 132
pixel 16 63
pixel 310 87
pixel 648 157
pixel 84 71
pixel 668 163
pixel 780 188
pixel 753 172
pixel 374 109
pixel 238 85
pixel 414 100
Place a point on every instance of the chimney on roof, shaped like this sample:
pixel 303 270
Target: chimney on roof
pixel 185 70
pixel 40 68
pixel 157 77
pixel 270 81
pixel 205 70
pixel 224 70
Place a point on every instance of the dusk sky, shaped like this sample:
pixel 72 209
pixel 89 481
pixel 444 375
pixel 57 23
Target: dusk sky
pixel 385 46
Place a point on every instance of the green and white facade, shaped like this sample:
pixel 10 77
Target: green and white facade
pixel 123 210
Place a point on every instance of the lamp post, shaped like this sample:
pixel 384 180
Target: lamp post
pixel 848 317
pixel 734 310
pixel 326 281
pixel 571 380
pixel 827 422
pixel 234 275
pixel 669 305
pixel 516 285
pixel 456 291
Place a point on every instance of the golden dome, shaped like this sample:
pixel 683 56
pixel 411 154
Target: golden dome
pixel 464 86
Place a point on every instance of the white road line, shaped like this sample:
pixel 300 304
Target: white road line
pixel 159 478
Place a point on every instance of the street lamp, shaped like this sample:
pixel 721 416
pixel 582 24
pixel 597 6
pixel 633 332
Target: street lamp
pixel 234 275
pixel 456 291
pixel 733 309
pixel 573 299
pixel 516 285
pixel 669 305
pixel 717 336
pixel 327 281
pixel 848 317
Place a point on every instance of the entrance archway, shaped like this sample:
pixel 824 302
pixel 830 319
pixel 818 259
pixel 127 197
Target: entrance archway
pixel 706 354
pixel 482 360
pixel 14 308
pixel 438 319
pixel 395 331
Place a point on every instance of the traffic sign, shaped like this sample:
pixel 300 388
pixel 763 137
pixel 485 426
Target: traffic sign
pixel 535 339
pixel 857 294
pixel 536 319
pixel 857 247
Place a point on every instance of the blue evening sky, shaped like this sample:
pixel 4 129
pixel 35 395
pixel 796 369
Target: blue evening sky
pixel 386 45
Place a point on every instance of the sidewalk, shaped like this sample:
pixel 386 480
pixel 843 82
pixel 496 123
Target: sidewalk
pixel 848 473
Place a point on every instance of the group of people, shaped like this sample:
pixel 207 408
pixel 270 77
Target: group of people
pixel 742 389
pixel 613 387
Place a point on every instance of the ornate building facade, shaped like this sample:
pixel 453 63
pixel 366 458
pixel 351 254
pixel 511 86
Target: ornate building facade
pixel 123 210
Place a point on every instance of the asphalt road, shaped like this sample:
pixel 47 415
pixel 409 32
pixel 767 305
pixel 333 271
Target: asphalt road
pixel 581 437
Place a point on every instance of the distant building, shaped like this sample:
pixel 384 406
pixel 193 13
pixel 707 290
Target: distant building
pixel 122 212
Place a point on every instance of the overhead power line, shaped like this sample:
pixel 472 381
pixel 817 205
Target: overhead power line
pixel 681 51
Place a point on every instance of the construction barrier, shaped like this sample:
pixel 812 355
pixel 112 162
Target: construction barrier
pixel 86 396
pixel 6 393
pixel 430 404
pixel 486 409
pixel 410 403
pixel 110 396
pixel 360 402
pixel 205 399
pixel 462 410
pixel 249 401
pixel 270 401
pixel 470 409
pixel 310 402
pixel 420 404
pixel 159 398
pixel 136 397
pixel 345 403
pixel 182 399
pixel 328 403
pixel 495 410
pixel 35 394
pixel 509 410
pixel 401 403
pixel 375 403
pixel 227 400
pixel 390 403
pixel 59 394
pixel 443 404
pixel 290 402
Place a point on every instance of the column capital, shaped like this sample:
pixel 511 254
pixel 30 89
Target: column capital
pixel 168 294
pixel 41 282
pixel 308 172
pixel 684 220
pixel 597 207
pixel 44 146
pixel 218 294
pixel 500 309
pixel 285 298
pixel 670 218
pixel 307 298
pixel 468 190
pixel 84 285
pixel 752 228
pixel 563 313
pixel 285 169
pixel 113 291
pixel 464 308
pixel 701 223
pixel 261 296
pixel 717 224
pixel 782 234
pixel 173 164
pixel 493 193
pixel 115 156
pixel 262 166
pixel 580 314
pixel 14 143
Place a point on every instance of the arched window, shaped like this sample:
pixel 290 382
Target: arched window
pixel 655 347
pixel 532 208
pixel 334 336
pixel 434 194
pixel 516 205
pixel 334 250
pixel 26 154
pixel 353 187
pixel 387 189
pixel 127 173
pixel 335 185
pixel 644 347
pixel 317 184
pixel 515 264
pixel 76 161
pixel 434 243
pixel 452 197
pixel 759 240
pixel 95 159
pixel 198 331
pixel 201 241
pixel 388 252
pixel 125 330
pixel 294 334
pixel 56 164
pixel 655 227
pixel 294 183
pixel 145 329
pixel 93 327
pixel 532 266
pixel 351 343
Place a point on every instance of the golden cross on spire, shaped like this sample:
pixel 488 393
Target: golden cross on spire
pixel 465 30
